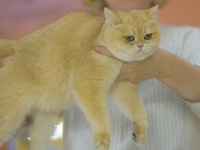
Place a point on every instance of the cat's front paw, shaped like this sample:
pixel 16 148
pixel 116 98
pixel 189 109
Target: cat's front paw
pixel 139 132
pixel 102 141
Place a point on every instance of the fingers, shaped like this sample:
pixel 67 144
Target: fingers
pixel 125 73
pixel 127 77
pixel 102 50
pixel 130 72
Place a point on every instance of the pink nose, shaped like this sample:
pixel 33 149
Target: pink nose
pixel 140 46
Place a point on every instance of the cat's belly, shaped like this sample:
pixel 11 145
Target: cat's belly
pixel 54 104
pixel 58 105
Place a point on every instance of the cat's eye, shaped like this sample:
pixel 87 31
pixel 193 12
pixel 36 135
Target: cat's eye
pixel 148 36
pixel 129 38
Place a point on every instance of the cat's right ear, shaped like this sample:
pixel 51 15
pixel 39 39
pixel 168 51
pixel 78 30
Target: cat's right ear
pixel 110 17
pixel 152 12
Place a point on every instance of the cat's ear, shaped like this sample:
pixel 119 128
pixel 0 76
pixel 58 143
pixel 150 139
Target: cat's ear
pixel 110 17
pixel 152 12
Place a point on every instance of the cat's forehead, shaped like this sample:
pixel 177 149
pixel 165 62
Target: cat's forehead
pixel 137 22
pixel 140 16
pixel 136 17
pixel 136 30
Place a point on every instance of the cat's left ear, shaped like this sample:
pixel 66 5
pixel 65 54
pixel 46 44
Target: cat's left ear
pixel 110 17
pixel 152 12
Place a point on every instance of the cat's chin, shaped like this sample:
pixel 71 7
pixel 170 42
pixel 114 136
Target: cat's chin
pixel 129 58
pixel 138 55
pixel 140 58
pixel 132 54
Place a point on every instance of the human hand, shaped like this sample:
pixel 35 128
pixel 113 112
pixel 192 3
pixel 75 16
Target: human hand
pixel 152 67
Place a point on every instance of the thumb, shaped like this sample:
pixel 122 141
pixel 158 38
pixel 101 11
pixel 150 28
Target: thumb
pixel 104 51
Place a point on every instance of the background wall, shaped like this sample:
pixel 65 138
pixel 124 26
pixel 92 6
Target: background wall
pixel 181 12
pixel 19 17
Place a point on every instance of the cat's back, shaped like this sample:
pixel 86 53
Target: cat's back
pixel 81 25
pixel 74 31
pixel 80 18
pixel 73 23
pixel 61 43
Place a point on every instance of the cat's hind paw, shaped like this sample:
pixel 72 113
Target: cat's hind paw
pixel 139 133
pixel 102 141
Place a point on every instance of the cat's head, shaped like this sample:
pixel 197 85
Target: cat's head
pixel 131 36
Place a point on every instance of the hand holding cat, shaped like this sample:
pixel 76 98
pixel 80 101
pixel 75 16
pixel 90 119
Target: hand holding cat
pixel 138 70
pixel 167 68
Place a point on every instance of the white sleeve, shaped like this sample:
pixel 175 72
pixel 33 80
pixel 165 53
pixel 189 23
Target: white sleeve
pixel 190 48
pixel 195 107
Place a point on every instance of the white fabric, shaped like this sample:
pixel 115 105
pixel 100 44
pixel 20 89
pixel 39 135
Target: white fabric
pixel 173 122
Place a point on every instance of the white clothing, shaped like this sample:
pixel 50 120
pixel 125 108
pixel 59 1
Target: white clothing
pixel 174 124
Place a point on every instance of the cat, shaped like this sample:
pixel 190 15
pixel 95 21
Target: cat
pixel 95 6
pixel 57 63
pixel 6 51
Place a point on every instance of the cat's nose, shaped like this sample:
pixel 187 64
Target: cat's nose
pixel 140 46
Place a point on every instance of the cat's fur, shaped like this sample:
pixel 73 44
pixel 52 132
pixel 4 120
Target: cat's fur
pixel 58 62
pixel 96 6
pixel 6 50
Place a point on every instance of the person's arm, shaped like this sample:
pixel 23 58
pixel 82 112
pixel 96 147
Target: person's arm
pixel 181 76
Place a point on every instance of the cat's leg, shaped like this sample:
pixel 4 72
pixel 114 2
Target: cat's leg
pixel 90 97
pixel 90 85
pixel 125 95
pixel 11 118
pixel 41 129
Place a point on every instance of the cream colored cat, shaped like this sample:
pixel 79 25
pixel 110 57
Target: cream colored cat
pixel 58 62
pixel 96 6
pixel 5 50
